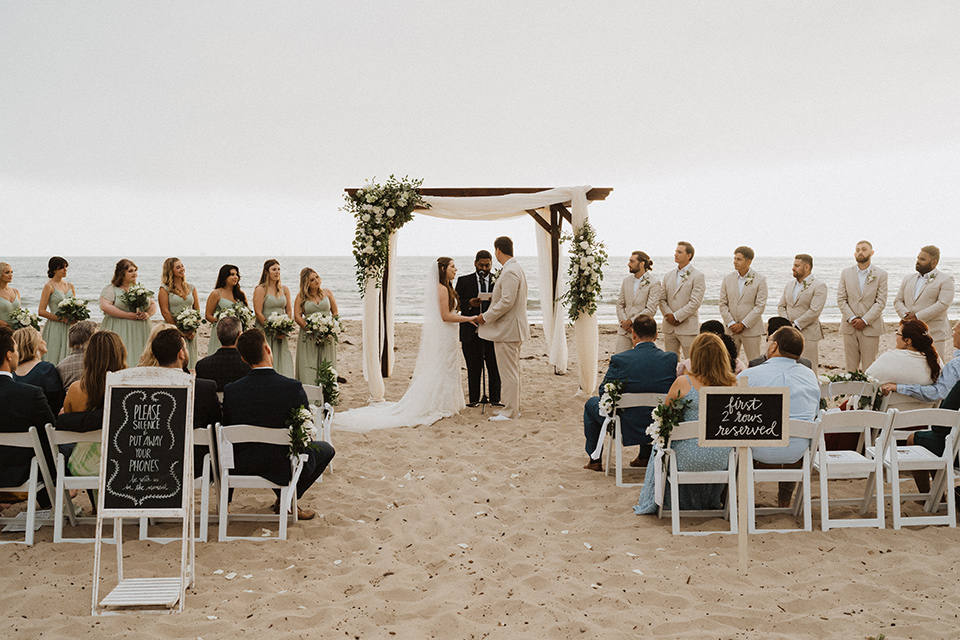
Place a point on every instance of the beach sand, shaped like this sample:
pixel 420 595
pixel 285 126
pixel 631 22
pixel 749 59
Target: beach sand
pixel 473 529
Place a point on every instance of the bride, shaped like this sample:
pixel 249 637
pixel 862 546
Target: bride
pixel 435 391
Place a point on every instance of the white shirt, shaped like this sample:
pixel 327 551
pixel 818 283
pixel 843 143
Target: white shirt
pixel 862 277
pixel 6 373
pixel 679 280
pixel 798 287
pixel 742 281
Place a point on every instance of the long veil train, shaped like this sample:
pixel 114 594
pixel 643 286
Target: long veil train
pixel 435 390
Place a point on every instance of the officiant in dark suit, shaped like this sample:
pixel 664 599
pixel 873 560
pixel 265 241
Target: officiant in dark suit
pixel 476 351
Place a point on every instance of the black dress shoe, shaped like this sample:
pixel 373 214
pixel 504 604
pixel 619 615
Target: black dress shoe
pixel 473 404
pixel 341 379
pixel 497 404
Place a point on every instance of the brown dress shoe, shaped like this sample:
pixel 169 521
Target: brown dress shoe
pixel 639 462
pixel 302 514
pixel 593 465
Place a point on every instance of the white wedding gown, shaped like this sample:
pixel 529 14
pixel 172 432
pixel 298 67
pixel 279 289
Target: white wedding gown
pixel 435 391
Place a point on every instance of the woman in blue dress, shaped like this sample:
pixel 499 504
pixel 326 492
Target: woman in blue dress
pixel 709 367
pixel 54 292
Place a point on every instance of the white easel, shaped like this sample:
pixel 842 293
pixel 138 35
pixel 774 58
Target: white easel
pixel 158 594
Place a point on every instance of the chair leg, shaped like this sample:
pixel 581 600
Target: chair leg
pixel 223 515
pixel 894 473
pixel 807 516
pixel 751 498
pixel 205 499
pixel 284 495
pixel 32 502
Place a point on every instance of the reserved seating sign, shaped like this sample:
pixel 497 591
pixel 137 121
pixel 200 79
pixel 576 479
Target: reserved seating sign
pixel 744 416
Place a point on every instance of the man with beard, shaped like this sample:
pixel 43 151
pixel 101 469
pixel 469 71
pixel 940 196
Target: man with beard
pixel 802 302
pixel 478 352
pixel 927 295
pixel 861 297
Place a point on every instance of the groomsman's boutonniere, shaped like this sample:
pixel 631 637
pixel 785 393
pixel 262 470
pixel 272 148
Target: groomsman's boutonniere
pixel 931 276
pixel 644 279
pixel 807 283
pixel 749 280
pixel 871 276
pixel 495 275
pixel 684 275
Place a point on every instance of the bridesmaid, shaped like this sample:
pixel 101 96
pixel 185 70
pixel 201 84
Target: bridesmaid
pixel 313 298
pixel 271 296
pixel 54 292
pixel 225 293
pixel 174 296
pixel 133 327
pixel 9 297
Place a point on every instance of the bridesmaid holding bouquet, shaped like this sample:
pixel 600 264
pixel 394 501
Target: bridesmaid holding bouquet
pixel 271 297
pixel 127 307
pixel 9 297
pixel 176 297
pixel 226 293
pixel 311 299
pixel 54 292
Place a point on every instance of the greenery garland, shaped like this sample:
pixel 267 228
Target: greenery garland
pixel 585 273
pixel 380 209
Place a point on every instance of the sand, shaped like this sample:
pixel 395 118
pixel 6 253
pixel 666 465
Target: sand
pixel 473 529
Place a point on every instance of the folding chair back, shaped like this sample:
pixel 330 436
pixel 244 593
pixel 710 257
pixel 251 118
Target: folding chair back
pixel 852 389
pixel 37 479
pixel 628 401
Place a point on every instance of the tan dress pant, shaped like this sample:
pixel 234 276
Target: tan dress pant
pixel 751 345
pixel 508 362
pixel 674 342
pixel 859 351
pixel 811 351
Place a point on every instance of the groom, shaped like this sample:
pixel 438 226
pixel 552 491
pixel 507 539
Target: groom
pixel 505 324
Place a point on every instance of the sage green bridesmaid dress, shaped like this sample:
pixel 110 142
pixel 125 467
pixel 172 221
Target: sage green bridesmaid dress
pixel 7 307
pixel 214 345
pixel 134 333
pixel 178 304
pixel 54 332
pixel 282 360
pixel 309 353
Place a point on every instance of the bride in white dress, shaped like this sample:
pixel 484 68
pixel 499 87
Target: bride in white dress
pixel 435 391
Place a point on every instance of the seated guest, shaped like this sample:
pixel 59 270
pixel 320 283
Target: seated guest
pixel 23 406
pixel 716 327
pixel 33 370
pixel 71 367
pixel 643 369
pixel 170 351
pixel 265 398
pixel 914 361
pixel 782 369
pixel 225 365
pixel 709 367
pixel 773 324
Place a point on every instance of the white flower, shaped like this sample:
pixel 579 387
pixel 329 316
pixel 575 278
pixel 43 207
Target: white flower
pixel 584 245
pixel 371 197
pixel 402 201
pixel 378 209
pixel 376 232
pixel 823 378
pixel 366 217
pixel 368 249
pixel 391 212
pixel 367 207
pixel 378 219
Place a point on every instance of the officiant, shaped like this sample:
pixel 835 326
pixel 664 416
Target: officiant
pixel 474 291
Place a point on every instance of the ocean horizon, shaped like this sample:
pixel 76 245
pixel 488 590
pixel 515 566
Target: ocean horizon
pixel 90 274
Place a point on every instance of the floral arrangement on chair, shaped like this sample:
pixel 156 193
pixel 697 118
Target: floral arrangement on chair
pixel 865 402
pixel 666 415
pixel 303 429
pixel 327 380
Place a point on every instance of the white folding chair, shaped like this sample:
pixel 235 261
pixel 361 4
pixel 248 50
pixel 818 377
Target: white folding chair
pixel 39 478
pixel 202 437
pixel 853 390
pixel 916 458
pixel 325 415
pixel 690 431
pixel 847 465
pixel 229 479
pixel 66 483
pixel 798 429
pixel 627 401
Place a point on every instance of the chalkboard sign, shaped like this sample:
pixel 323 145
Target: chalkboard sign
pixel 147 447
pixel 744 416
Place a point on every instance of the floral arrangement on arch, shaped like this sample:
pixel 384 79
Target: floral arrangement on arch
pixel 585 273
pixel 380 209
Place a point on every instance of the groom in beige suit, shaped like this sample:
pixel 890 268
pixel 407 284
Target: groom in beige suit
pixel 861 297
pixel 743 298
pixel 505 324
pixel 683 290
pixel 927 295
pixel 639 295
pixel 802 302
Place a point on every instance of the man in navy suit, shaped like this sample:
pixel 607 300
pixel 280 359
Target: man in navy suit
pixel 21 406
pixel 476 350
pixel 225 365
pixel 643 369
pixel 265 398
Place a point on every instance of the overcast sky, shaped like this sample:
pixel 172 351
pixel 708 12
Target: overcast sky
pixel 155 128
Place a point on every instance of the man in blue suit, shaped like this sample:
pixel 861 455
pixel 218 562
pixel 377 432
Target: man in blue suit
pixel 643 369
pixel 265 398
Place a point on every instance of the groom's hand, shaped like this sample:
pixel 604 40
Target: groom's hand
pixel 480 319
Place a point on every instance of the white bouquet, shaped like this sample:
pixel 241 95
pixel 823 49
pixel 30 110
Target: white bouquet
pixel 239 311
pixel 189 320
pixel 278 325
pixel 21 318
pixel 322 326
pixel 137 297
pixel 73 309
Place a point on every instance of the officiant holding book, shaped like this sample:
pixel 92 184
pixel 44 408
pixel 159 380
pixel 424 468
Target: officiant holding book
pixel 475 290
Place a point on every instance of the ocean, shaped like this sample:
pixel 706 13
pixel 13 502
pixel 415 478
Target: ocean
pixel 92 273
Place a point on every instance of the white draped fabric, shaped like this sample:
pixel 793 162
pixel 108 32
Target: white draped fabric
pixel 377 324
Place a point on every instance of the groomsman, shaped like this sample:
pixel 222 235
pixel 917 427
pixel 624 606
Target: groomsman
pixel 861 297
pixel 927 295
pixel 683 290
pixel 743 298
pixel 802 302
pixel 639 295
pixel 476 350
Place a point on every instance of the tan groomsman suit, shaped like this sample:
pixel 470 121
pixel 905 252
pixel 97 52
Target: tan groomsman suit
pixel 505 324
pixel 682 296
pixel 638 296
pixel 804 313
pixel 745 306
pixel 936 296
pixel 860 346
